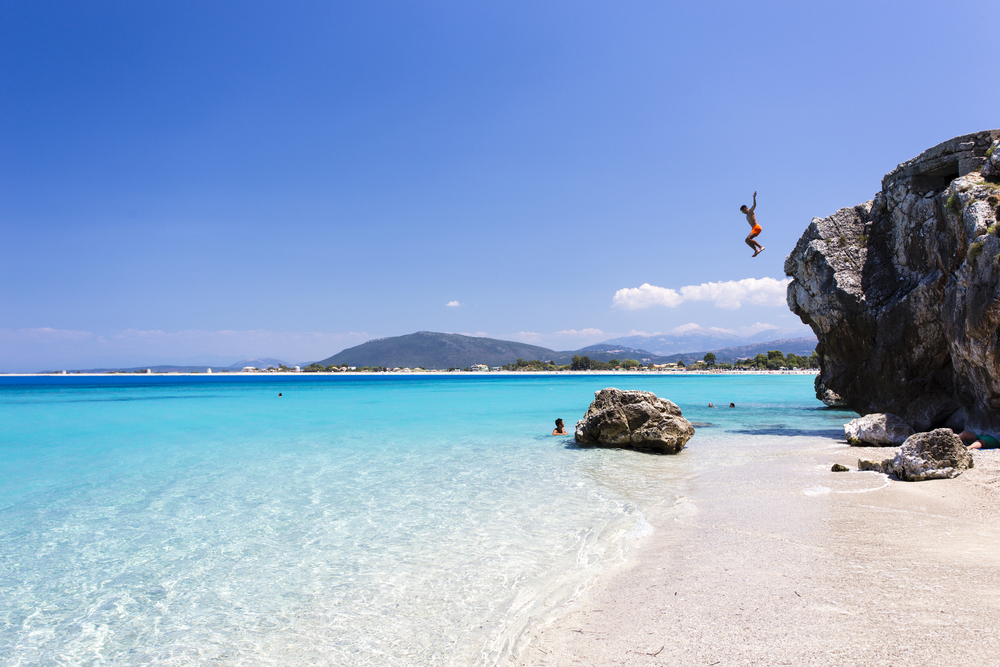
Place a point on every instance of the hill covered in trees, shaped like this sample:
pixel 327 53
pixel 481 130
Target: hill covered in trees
pixel 429 349
pixel 434 350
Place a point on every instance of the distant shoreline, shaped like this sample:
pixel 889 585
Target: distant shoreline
pixel 69 374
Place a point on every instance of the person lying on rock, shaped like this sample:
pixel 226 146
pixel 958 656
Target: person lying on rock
pixel 754 226
pixel 560 428
pixel 973 441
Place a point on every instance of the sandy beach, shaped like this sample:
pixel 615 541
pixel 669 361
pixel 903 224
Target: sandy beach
pixel 781 562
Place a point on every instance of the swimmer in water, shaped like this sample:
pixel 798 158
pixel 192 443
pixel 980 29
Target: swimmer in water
pixel 755 227
pixel 560 428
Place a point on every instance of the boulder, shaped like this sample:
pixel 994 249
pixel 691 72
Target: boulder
pixel 634 419
pixel 877 429
pixel 903 291
pixel 830 399
pixel 939 454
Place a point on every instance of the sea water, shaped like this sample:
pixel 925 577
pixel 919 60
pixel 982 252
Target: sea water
pixel 365 520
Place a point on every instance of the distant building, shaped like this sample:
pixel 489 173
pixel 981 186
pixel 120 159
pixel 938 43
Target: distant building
pixel 149 370
pixel 249 369
pixel 208 370
pixel 479 368
pixel 297 369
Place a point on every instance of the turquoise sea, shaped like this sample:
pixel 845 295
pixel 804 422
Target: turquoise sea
pixel 367 520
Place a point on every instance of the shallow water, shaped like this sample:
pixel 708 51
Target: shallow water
pixel 353 521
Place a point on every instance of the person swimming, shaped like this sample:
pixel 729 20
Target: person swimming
pixel 560 428
pixel 755 226
pixel 973 441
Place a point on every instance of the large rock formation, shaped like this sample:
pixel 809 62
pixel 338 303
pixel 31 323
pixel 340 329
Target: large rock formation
pixel 634 419
pixel 902 291
pixel 878 429
pixel 935 455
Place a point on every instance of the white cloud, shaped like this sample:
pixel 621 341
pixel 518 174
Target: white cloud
pixel 691 327
pixel 453 304
pixel 567 339
pixel 582 333
pixel 632 298
pixel 756 328
pixel 730 294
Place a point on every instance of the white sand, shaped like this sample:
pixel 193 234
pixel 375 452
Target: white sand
pixel 785 563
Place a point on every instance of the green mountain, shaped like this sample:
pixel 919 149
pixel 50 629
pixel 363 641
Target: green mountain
pixel 429 349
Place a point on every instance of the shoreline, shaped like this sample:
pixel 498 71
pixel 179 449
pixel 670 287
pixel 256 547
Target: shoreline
pixel 798 565
pixel 412 373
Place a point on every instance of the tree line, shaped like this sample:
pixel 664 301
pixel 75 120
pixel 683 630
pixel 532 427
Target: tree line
pixel 773 360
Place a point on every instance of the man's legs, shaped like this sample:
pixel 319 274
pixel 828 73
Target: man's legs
pixel 756 247
pixel 970 440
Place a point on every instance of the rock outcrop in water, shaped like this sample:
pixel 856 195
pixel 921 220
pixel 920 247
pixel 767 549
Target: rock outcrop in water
pixel 634 419
pixel 939 454
pixel 903 291
pixel 830 399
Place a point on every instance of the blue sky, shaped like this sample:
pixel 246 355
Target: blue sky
pixel 211 181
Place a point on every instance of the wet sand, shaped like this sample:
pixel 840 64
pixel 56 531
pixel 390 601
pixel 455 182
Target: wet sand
pixel 782 562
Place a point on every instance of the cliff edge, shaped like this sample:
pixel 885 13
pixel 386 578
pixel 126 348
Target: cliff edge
pixel 903 292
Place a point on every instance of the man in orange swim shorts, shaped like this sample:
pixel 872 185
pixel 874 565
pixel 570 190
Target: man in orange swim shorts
pixel 752 219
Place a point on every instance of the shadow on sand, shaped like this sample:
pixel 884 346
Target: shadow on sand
pixel 832 433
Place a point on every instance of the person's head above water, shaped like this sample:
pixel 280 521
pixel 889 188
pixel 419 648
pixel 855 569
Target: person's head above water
pixel 559 423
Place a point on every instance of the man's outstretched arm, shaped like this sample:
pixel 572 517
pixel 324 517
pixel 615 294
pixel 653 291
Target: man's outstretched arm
pixel 754 201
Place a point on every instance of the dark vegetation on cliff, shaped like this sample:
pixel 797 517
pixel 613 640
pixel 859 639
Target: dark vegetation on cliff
pixel 903 292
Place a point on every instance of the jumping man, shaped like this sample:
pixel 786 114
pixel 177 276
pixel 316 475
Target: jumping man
pixel 752 219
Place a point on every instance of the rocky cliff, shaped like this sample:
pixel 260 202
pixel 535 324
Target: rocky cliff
pixel 903 292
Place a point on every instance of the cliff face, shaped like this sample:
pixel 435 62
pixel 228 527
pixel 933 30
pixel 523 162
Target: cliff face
pixel 903 291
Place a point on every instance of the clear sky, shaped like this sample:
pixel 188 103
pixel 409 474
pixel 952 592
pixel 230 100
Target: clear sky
pixel 210 181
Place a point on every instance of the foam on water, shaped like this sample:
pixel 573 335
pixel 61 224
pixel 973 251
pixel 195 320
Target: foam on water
pixel 354 521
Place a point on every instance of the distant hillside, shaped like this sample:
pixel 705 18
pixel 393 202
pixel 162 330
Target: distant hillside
pixel 434 350
pixel 701 339
pixel 727 355
pixel 606 352
pixel 429 349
